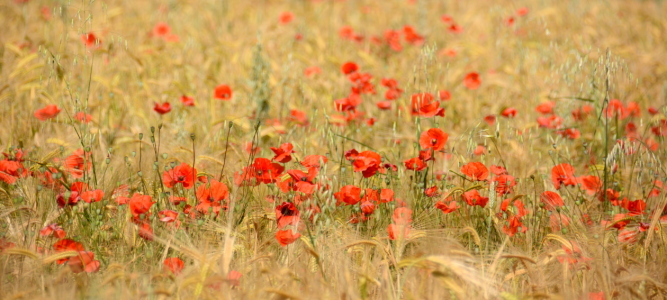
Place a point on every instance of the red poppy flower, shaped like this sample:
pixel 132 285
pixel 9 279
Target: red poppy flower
pixel 161 29
pixel 286 237
pixel 570 133
pixel 283 153
pixel 432 191
pixel 162 108
pixel 472 81
pixel 546 108
pixel 298 117
pixel 76 163
pixel 454 28
pixel 92 196
pixel 349 68
pixel 54 229
pixel 366 162
pixel 47 112
pixel 513 226
pixel 473 197
pixel 433 138
pixel 187 101
pixel 635 208
pixel 551 200
pixel 91 41
pixel 653 111
pixel 183 174
pixel 522 11
pixel 286 17
pixel 312 71
pixel 563 174
pixel 174 265
pixel 349 195
pixel 509 21
pixel 140 204
pixel 223 92
pixel 411 36
pixel 415 164
pixel 509 112
pixel 444 95
pixel 66 245
pixel 287 214
pixel 314 161
pixel 447 207
pixel 424 105
pixel 10 171
pixel 504 184
pixel 84 261
pixel 591 184
pixel 477 171
pixel 168 216
pixel 446 18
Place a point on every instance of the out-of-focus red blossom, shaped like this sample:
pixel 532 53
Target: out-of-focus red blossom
pixel 5 244
pixel 314 161
pixel 490 119
pixel 563 174
pixel 660 129
pixel 479 150
pixel 573 254
pixel 653 111
pixel 91 41
pixel 447 205
pixel 582 113
pixel 298 117
pixel 551 200
pixel 83 117
pixel 425 105
pixel 234 277
pixel 286 17
pixel 558 221
pixel 77 163
pixel 415 164
pixel 349 195
pixel 286 237
pixel 411 36
pixel 47 112
pixel 444 95
pixel 509 112
pixel 546 108
pixel 162 108
pixel 509 21
pixel 628 235
pixel 591 184
pixel 570 133
pixel 635 208
pixel 68 198
pixel 312 71
pixel 522 11
pixel 349 68
pixel 187 100
pixel 10 171
pixel 54 229
pixel 472 81
pixel 455 28
pixel 433 138
pixel 182 174
pixel 222 92
pixel 477 171
pixel 401 226
pixel 84 261
pixel 173 264
pixel 169 216
pixel 283 153
pixel 596 296
pixel 66 245
pixel 432 191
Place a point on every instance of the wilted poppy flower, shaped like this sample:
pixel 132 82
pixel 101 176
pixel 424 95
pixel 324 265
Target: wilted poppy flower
pixel 286 237
pixel 173 265
pixel 433 138
pixel 283 153
pixel 90 40
pixel 475 170
pixel 223 92
pixel 162 108
pixel 47 112
pixel 349 68
pixel 472 81
pixel 183 174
